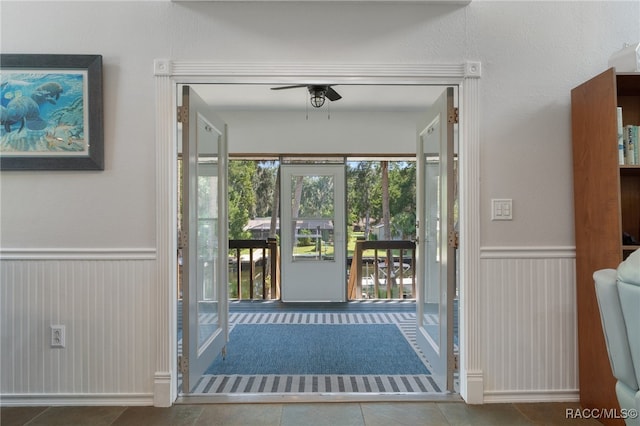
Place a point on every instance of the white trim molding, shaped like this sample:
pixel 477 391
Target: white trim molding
pixel 162 383
pixel 169 74
pixel 166 237
pixel 506 397
pixel 76 399
pixel 546 252
pixel 459 3
pixel 78 254
pixel 272 73
pixel 471 337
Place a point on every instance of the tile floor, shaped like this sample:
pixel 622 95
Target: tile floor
pixel 300 414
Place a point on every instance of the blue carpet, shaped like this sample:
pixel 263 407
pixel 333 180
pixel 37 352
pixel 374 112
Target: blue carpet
pixel 318 349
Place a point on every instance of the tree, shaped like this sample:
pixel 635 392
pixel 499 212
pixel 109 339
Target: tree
pixel 362 179
pixel 386 214
pixel 386 220
pixel 242 197
pixel 316 197
pixel 377 191
pixel 402 197
pixel 275 207
pixel 370 200
pixel 264 184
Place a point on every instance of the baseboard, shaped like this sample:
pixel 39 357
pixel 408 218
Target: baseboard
pixel 567 395
pixel 162 386
pixel 74 399
pixel 472 391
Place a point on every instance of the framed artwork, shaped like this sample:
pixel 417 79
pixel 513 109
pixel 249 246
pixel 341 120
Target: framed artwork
pixel 51 112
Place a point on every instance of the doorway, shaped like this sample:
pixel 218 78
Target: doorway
pixel 319 275
pixel 466 75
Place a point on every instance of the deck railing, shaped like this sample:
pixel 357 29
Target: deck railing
pixel 255 266
pixel 254 270
pixel 389 273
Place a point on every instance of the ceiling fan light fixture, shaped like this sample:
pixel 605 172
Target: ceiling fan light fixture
pixel 319 93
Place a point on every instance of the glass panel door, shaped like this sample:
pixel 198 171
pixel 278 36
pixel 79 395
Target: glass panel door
pixel 313 240
pixel 205 308
pixel 436 275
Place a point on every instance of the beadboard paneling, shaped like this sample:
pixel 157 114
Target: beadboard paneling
pixel 529 324
pixel 107 307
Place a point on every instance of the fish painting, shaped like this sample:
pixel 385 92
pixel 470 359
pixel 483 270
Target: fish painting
pixel 42 112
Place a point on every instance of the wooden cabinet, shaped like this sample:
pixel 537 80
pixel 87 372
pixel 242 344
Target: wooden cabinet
pixel 607 203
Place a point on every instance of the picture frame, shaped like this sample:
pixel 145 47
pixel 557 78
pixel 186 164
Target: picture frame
pixel 51 112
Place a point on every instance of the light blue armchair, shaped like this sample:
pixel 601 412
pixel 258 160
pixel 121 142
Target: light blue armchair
pixel 618 294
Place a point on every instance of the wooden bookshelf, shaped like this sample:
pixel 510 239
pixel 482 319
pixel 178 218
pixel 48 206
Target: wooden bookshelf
pixel 630 206
pixel 606 204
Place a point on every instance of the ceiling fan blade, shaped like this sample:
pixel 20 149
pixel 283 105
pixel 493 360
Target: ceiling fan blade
pixel 288 87
pixel 332 95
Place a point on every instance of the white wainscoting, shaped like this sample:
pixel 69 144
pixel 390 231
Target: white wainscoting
pixel 528 314
pixel 105 299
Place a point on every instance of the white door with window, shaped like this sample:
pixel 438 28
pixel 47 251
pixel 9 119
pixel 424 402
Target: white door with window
pixel 436 272
pixel 204 238
pixel 313 233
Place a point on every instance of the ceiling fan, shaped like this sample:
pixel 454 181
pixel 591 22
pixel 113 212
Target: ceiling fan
pixel 318 93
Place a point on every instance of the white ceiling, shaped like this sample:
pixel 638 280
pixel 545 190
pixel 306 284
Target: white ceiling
pixel 362 98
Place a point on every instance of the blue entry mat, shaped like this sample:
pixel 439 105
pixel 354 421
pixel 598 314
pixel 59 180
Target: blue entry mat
pixel 361 349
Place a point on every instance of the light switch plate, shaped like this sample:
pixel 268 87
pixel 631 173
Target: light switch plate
pixel 501 209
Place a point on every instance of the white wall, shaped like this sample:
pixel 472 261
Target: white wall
pixel 530 65
pixel 532 54
pixel 343 133
pixel 527 76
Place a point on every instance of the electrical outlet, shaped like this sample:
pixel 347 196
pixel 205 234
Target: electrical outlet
pixel 58 336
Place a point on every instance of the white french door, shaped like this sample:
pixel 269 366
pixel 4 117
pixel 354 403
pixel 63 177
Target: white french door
pixel 313 233
pixel 204 238
pixel 437 238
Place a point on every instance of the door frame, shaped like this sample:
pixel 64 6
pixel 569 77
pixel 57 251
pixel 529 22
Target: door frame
pixel 168 74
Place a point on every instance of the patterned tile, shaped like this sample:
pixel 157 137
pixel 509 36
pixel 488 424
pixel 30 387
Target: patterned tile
pixel 254 384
